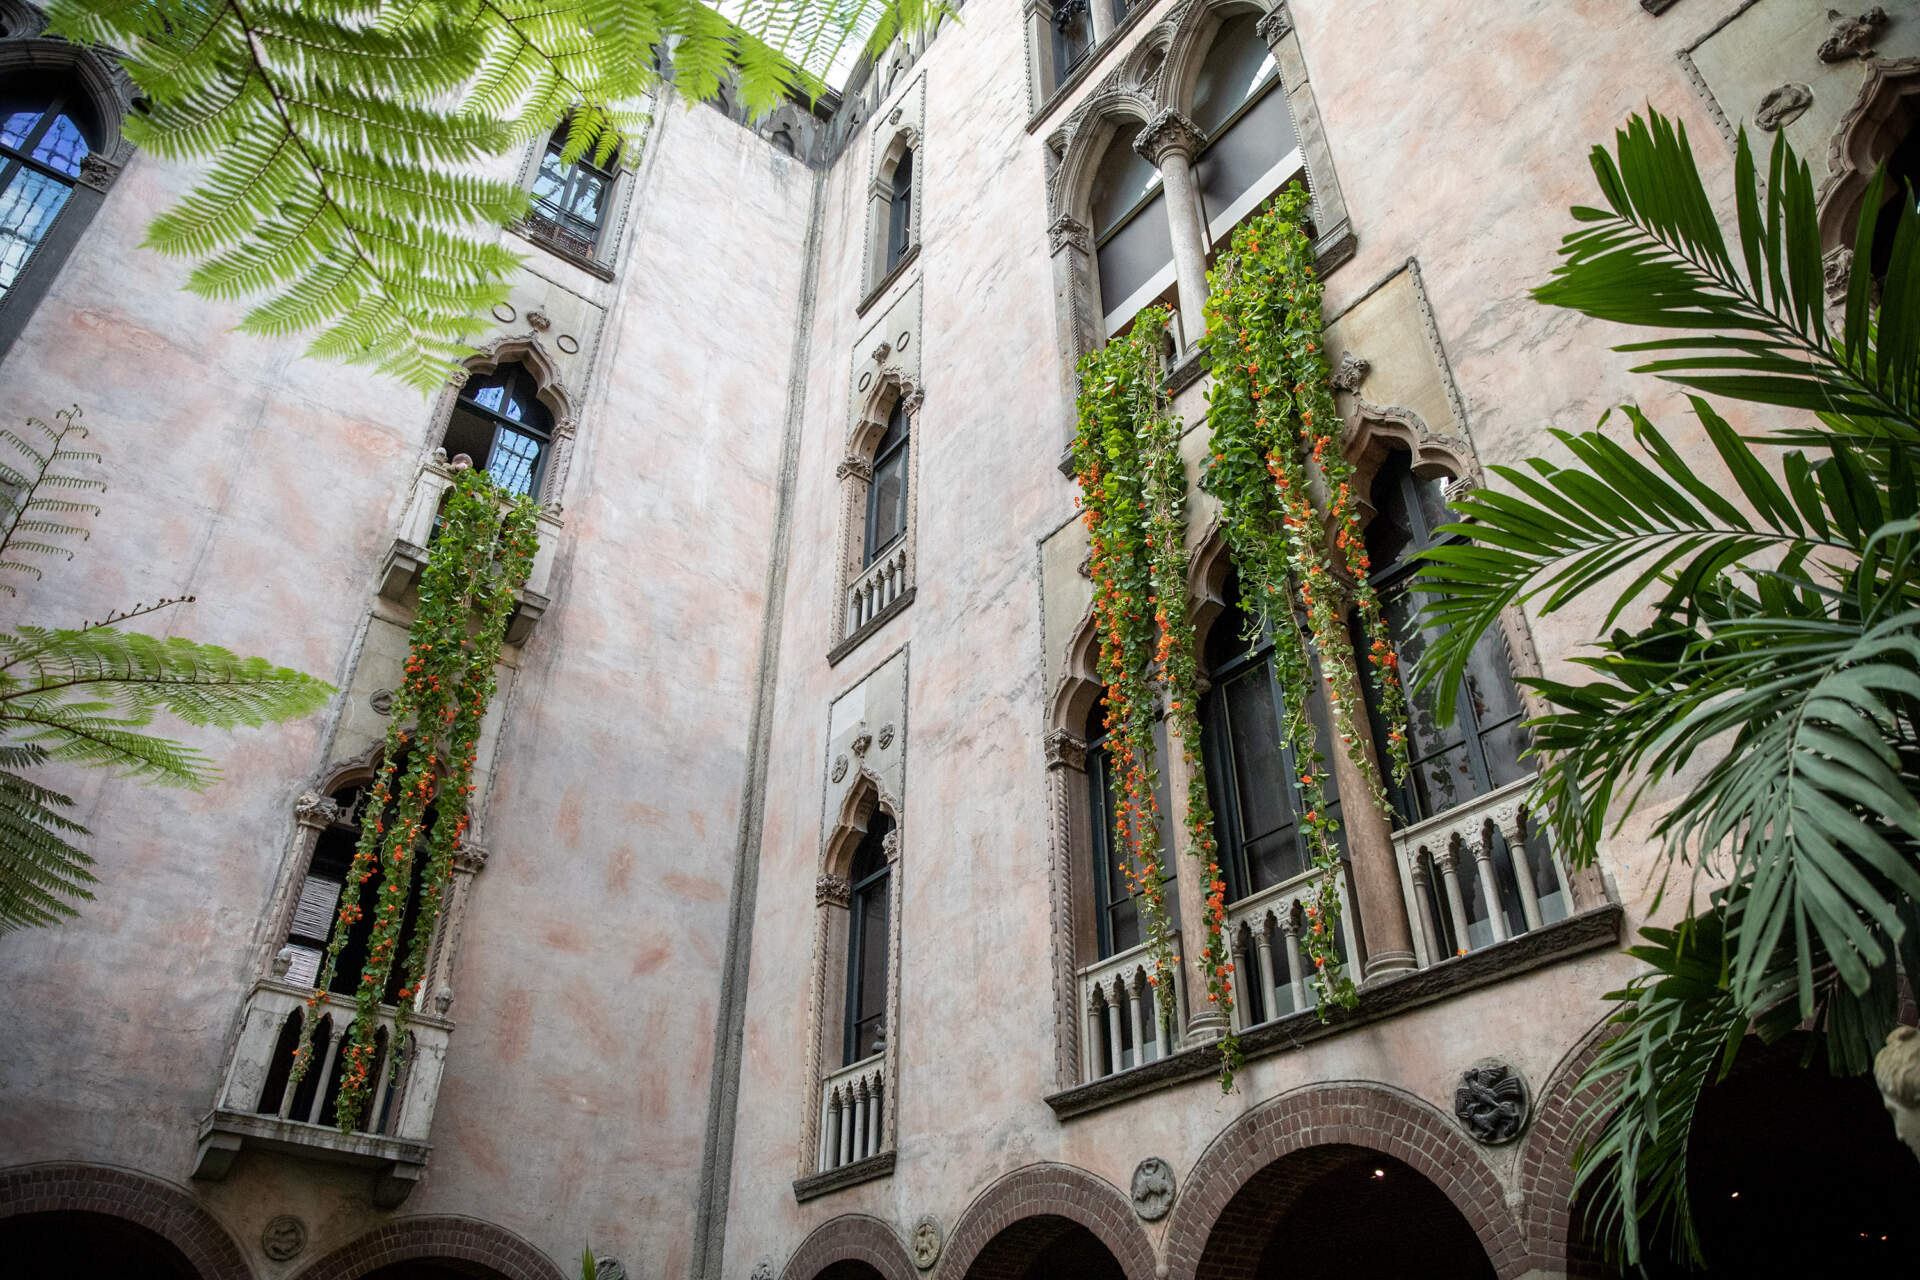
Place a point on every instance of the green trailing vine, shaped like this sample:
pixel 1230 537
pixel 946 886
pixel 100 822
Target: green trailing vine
pixel 481 555
pixel 1275 437
pixel 1133 487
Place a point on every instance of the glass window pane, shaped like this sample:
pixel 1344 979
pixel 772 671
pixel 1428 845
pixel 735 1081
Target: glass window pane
pixel 62 147
pixel 872 1005
pixel 1425 735
pixel 1238 159
pixel 1442 781
pixel 1265 790
pixel 1503 747
pixel 468 433
pixel 17 121
pixel 1072 36
pixel 1134 255
pixel 514 459
pixel 1490 690
pixel 27 209
pixel 1237 65
pixel 588 190
pixel 887 504
pixel 1122 181
pixel 552 178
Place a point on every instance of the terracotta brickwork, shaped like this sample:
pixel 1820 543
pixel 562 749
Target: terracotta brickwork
pixel 1019 1215
pixel 162 1208
pixel 442 1238
pixel 854 1238
pixel 1545 1176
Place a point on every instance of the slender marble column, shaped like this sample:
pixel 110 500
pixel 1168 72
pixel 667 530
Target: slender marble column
pixel 1171 141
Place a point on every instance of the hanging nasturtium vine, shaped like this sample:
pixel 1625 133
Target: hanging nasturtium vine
pixel 482 553
pixel 1275 435
pixel 1133 487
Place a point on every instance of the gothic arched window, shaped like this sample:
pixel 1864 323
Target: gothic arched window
pixel 571 200
pixel 46 130
pixel 887 494
pixel 1131 236
pixel 1072 36
pixel 1252 774
pixel 900 212
pixel 1251 149
pixel 500 423
pixel 866 1020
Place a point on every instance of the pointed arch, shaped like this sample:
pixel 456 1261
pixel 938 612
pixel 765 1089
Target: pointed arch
pixel 1190 42
pixel 892 386
pixel 1078 689
pixel 865 798
pixel 1884 111
pixel 1086 137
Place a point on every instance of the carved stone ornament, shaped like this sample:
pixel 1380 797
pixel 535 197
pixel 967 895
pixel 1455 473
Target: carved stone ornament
pixel 1167 133
pixel 1068 230
pixel 443 1001
pixel 283 1238
pixel 881 352
pixel 1276 26
pixel 1782 106
pixel 839 768
pixel 1457 488
pixel 1085 567
pixel 1836 271
pixel 899 113
pixel 282 961
pixel 1491 1102
pixel 540 321
pixel 97 171
pixel 1896 1070
pixel 315 809
pixel 832 890
pixel 859 467
pixel 1065 749
pixel 886 736
pixel 762 1270
pixel 609 1269
pixel 1352 372
pixel 861 741
pixel 1152 1188
pixel 1851 38
pixel 912 401
pixel 924 1244
pixel 381 700
pixel 470 858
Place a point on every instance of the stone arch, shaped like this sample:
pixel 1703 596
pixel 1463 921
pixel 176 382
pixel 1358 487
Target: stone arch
pixel 161 1207
pixel 1040 1191
pixel 1355 1113
pixel 1207 568
pixel 23 48
pixel 1078 690
pixel 866 797
pixel 1373 431
pixel 1192 39
pixel 890 387
pixel 888 153
pixel 438 1236
pixel 1086 138
pixel 532 354
pixel 1887 106
pixel 852 1237
pixel 1146 63
pixel 1543 1176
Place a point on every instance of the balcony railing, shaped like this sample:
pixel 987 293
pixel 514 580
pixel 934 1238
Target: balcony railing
pixel 879 585
pixel 1265 931
pixel 1123 1011
pixel 1479 874
pixel 853 1113
pixel 259 1105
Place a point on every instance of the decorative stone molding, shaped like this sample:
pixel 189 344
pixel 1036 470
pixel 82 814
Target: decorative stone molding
pixel 283 1238
pixel 853 468
pixel 1852 38
pixel 609 1269
pixel 923 1244
pixel 1276 26
pixel 1153 1187
pixel 470 858
pixel 886 735
pixel 1169 133
pixel 315 810
pixel 1866 136
pixel 832 890
pixel 861 741
pixel 762 1270
pixel 1350 373
pixel 97 172
pixel 839 772
pixel 1781 107
pixel 1491 1102
pixel 1065 751
pixel 1066 230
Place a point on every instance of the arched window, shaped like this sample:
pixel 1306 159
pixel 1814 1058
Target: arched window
pixel 570 201
pixel 1131 234
pixel 1252 774
pixel 900 211
pixel 1072 36
pixel 319 902
pixel 1903 180
pixel 1116 902
pixel 887 494
pixel 866 1021
pixel 46 130
pixel 1251 150
pixel 500 423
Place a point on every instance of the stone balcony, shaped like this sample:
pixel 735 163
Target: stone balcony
pixel 880 585
pixel 257 1107
pixel 1124 1026
pixel 1264 932
pixel 855 1132
pixel 407 557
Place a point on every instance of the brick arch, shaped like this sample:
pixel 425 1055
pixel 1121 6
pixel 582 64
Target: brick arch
pixel 1357 1114
pixel 852 1237
pixel 1050 1191
pixel 168 1211
pixel 437 1236
pixel 1544 1177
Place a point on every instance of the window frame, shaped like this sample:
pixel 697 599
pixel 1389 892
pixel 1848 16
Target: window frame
pixel 877 884
pixel 543 436
pixel 899 213
pixel 1100 839
pixel 872 550
pixel 557 211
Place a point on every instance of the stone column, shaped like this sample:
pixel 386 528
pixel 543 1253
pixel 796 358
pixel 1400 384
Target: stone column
pixel 1205 1022
pixel 1076 312
pixel 855 474
pixel 1068 899
pixel 1100 13
pixel 1037 17
pixel 469 860
pixel 1171 141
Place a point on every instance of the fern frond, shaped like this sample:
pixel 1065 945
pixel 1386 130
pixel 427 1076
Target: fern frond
pixel 41 872
pixel 23 522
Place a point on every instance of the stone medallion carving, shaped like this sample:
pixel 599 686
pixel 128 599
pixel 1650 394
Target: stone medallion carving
pixel 381 700
pixel 762 1270
pixel 609 1269
pixel 924 1244
pixel 1854 37
pixel 886 736
pixel 839 768
pixel 283 1238
pixel 1491 1102
pixel 540 320
pixel 1352 372
pixel 1152 1188
pixel 1782 106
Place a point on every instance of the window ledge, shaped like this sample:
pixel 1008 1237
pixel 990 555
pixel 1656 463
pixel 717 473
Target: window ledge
pixel 1594 930
pixel 813 1186
pixel 400 579
pixel 586 262
pixel 397 1163
pixel 886 282
pixel 873 624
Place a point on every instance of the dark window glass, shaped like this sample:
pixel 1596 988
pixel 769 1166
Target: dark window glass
pixel 499 423
pixel 326 885
pixel 887 495
pixel 1129 221
pixel 1481 749
pixel 42 142
pixel 1252 775
pixel 900 212
pixel 1903 179
pixel 1118 906
pixel 1072 36
pixel 1238 67
pixel 572 198
pixel 867 944
pixel 1248 126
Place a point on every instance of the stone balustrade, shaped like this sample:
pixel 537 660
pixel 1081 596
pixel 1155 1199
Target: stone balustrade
pixel 1264 933
pixel 1479 874
pixel 1123 1011
pixel 259 1104
pixel 853 1113
pixel 877 586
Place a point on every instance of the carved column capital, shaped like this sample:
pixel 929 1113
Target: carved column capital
pixel 470 858
pixel 1169 133
pixel 832 891
pixel 852 467
pixel 890 845
pixel 1068 230
pixel 1065 751
pixel 315 810
pixel 912 401
pixel 1276 26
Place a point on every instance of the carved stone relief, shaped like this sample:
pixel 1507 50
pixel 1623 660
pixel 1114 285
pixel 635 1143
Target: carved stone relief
pixel 1153 1188
pixel 925 1242
pixel 1491 1102
pixel 1854 37
pixel 1782 106
pixel 283 1238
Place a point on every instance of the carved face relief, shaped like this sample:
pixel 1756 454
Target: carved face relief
pixel 1152 1188
pixel 925 1242
pixel 1854 37
pixel 1491 1102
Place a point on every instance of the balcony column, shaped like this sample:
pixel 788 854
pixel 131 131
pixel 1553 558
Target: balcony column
pixel 1296 980
pixel 1171 141
pixel 1423 904
pixel 1264 945
pixel 1449 860
pixel 1117 1053
pixel 337 1036
pixel 1094 1061
pixel 1506 820
pixel 469 860
pixel 1205 1022
pixel 1489 883
pixel 855 474
pixel 1135 989
pixel 843 1102
pixel 828 1141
